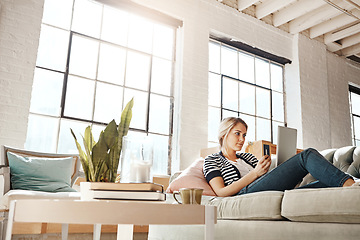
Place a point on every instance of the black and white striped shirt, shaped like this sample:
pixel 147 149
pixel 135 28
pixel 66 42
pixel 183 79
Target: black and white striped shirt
pixel 216 165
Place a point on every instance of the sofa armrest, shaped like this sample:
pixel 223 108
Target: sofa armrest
pixel 4 179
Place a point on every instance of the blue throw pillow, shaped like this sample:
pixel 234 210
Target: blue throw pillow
pixel 40 174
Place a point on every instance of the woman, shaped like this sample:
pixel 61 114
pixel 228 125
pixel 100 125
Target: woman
pixel 229 173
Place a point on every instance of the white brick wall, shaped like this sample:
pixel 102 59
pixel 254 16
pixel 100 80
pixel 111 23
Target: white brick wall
pixel 19 35
pixel 321 114
pixel 314 93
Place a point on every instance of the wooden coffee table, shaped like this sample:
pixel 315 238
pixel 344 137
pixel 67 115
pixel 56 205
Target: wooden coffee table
pixel 125 214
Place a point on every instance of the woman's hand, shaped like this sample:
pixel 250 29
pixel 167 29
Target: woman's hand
pixel 263 166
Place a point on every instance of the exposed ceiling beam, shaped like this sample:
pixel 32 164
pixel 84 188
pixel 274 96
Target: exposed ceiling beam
pixel 242 4
pixel 356 5
pixel 350 41
pixel 356 2
pixel 268 7
pixel 296 10
pixel 316 16
pixel 353 50
pixel 333 46
pixel 332 37
pixel 332 24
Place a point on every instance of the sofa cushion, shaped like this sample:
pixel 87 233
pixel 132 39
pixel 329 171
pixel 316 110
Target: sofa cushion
pixel 335 205
pixel 40 174
pixel 343 158
pixel 253 206
pixel 192 177
pixel 27 194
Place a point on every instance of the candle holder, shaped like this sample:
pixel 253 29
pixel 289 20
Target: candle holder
pixel 136 159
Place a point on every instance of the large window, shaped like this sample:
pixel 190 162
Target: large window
pixel 244 85
pixel 92 59
pixel 355 113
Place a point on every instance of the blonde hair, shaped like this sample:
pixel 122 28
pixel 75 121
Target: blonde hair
pixel 225 127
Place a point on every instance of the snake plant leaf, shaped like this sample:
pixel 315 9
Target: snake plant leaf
pixel 100 172
pixel 88 138
pixel 90 166
pixel 100 150
pixel 126 116
pixel 110 134
pixel 123 129
pixel 83 157
pixel 114 160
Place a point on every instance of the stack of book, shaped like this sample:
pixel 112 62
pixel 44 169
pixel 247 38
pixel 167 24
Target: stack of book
pixel 122 191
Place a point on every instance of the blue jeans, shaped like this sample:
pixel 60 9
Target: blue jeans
pixel 291 172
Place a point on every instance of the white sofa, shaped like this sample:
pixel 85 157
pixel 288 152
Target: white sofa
pixel 328 213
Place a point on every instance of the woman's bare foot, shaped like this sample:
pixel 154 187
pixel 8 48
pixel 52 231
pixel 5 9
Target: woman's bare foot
pixel 348 183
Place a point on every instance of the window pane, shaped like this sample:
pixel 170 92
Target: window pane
pixel 42 133
pixel 108 103
pixel 355 103
pixel 161 155
pixel 278 106
pixel 214 57
pixel 134 77
pixel 229 62
pixel 247 98
pixel 115 26
pixel 87 18
pixel 263 103
pixel 227 114
pixel 262 73
pixel 246 67
pixel 357 127
pixel 83 58
pixel 139 109
pixel 46 92
pixel 66 140
pixel 159 114
pixel 58 13
pixel 53 48
pixel 276 77
pixel 214 97
pixel 111 64
pixel 161 76
pixel 250 121
pixel 230 94
pixel 163 41
pixel 140 34
pixel 79 98
pixel 263 129
pixel 213 123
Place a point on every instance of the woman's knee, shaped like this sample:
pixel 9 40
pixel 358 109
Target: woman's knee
pixel 309 151
pixel 313 150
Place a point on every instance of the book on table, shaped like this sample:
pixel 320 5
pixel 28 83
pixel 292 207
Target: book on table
pixel 148 186
pixel 122 191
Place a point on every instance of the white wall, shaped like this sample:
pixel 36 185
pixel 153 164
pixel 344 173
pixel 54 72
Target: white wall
pixel 19 36
pixel 318 79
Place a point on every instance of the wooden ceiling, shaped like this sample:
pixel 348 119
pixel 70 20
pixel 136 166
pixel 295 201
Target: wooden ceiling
pixel 336 23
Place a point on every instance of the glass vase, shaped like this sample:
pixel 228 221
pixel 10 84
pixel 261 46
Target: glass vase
pixel 136 159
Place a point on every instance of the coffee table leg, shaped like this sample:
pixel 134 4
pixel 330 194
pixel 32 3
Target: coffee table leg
pixel 209 223
pixel 97 232
pixel 64 231
pixel 125 231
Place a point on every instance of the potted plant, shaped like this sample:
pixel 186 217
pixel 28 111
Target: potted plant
pixel 100 160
